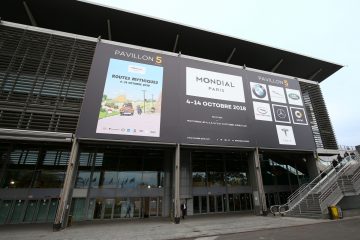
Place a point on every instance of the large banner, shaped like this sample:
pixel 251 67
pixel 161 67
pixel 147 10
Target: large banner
pixel 133 90
pixel 130 95
pixel 214 108
pixel 138 95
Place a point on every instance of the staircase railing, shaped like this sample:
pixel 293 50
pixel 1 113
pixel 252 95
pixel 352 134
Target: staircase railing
pixel 350 181
pixel 335 192
pixel 325 183
pixel 332 194
pixel 300 193
pixel 355 180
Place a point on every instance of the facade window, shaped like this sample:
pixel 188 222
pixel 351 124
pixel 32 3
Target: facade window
pixel 122 168
pixel 279 171
pixel 35 167
pixel 17 179
pixel 83 179
pixel 199 179
pixel 49 179
pixel 215 179
pixel 219 170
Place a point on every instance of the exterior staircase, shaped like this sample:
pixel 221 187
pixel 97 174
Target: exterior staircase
pixel 328 188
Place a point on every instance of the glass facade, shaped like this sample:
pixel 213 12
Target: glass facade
pixel 38 170
pixel 282 174
pixel 120 168
pixel 135 177
pixel 280 169
pixel 227 174
pixel 219 169
pixel 29 166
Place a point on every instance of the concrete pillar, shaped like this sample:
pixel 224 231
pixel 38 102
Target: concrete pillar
pixel 311 165
pixel 177 213
pixel 257 183
pixel 185 175
pixel 62 213
pixel 168 166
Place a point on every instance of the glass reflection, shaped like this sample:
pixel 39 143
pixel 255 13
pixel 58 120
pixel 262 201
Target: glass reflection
pixel 83 179
pixel 130 179
pixel 236 178
pixel 199 179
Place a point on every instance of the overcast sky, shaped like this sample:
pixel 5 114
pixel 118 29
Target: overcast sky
pixel 324 29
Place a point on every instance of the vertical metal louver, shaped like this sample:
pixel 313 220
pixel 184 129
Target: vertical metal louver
pixel 318 116
pixel 42 79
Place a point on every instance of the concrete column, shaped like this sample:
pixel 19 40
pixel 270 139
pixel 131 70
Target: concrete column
pixel 177 213
pixel 66 192
pixel 168 166
pixel 185 175
pixel 257 183
pixel 311 165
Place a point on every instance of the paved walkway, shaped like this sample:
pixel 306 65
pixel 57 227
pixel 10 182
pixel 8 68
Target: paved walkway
pixel 156 228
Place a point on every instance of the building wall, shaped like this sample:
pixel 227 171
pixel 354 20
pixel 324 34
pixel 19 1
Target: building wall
pixel 43 78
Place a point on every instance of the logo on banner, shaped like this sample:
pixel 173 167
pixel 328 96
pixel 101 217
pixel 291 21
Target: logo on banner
pixel 258 91
pixel 277 94
pixel 294 97
pixel 214 85
pixel 298 116
pixel 281 113
pixel 270 80
pixel 285 135
pixel 262 111
pixel 136 56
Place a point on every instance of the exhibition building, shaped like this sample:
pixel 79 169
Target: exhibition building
pixel 108 114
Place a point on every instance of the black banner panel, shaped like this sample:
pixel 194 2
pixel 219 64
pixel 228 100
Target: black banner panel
pixel 130 95
pixel 138 95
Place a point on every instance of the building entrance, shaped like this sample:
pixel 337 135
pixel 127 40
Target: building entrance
pixel 220 182
pixel 222 203
pixel 131 207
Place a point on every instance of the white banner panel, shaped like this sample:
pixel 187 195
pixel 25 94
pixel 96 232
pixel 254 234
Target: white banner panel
pixel 214 85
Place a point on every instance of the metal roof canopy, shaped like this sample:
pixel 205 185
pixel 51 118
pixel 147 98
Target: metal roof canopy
pixel 93 20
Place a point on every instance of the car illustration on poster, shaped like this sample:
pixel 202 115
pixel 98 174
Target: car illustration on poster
pixel 131 88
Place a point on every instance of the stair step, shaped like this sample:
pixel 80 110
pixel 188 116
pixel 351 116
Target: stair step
pixel 307 211
pixel 310 205
pixel 313 216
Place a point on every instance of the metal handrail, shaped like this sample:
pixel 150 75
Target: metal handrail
pixel 299 192
pixel 317 183
pixel 332 177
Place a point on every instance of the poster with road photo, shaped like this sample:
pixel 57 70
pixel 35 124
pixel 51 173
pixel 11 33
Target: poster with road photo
pixel 131 101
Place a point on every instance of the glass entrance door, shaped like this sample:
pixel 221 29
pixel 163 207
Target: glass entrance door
pixel 219 203
pixel 52 210
pixel 18 211
pixel 43 210
pixel 98 209
pixel 127 207
pixel 30 211
pixel 145 207
pixel 223 203
pixel 108 208
pixel 5 207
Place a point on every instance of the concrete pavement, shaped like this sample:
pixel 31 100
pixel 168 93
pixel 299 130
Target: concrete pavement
pixel 153 228
pixel 347 228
